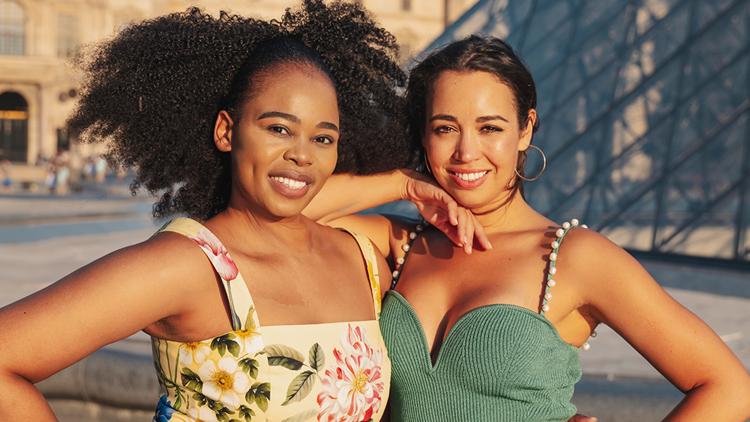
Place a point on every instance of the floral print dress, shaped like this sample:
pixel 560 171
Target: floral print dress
pixel 336 371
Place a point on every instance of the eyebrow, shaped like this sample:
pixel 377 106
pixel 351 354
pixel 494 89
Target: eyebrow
pixel 480 119
pixel 290 117
pixel 295 119
pixel 490 118
pixel 328 125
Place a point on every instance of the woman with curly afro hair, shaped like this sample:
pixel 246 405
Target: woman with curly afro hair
pixel 236 123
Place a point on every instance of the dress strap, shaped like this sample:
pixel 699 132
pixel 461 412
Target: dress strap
pixel 406 247
pixel 550 281
pixel 240 302
pixel 371 265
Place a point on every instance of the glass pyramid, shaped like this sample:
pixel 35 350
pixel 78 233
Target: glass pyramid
pixel 645 116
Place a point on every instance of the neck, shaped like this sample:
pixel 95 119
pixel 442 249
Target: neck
pixel 248 229
pixel 507 214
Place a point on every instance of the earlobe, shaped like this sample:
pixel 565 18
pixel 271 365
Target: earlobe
pixel 528 132
pixel 223 131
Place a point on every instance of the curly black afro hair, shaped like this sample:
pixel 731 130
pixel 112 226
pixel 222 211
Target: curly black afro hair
pixel 154 91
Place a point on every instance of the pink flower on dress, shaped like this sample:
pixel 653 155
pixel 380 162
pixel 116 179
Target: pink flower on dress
pixel 352 390
pixel 217 253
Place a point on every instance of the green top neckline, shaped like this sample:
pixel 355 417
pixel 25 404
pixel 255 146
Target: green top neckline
pixel 432 368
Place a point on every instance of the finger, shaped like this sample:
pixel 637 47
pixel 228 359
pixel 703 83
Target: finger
pixel 451 232
pixel 461 226
pixel 481 235
pixel 453 212
pixel 469 233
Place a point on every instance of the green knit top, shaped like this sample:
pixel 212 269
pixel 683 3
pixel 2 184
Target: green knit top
pixel 499 362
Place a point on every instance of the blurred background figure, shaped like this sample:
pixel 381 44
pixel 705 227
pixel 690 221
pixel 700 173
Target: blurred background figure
pixel 100 169
pixel 6 181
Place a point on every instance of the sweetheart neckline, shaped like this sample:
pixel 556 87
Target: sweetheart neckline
pixel 432 367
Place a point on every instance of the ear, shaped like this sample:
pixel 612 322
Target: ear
pixel 223 131
pixel 528 132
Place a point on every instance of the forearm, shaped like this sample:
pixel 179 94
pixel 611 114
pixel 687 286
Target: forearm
pixel 21 401
pixel 723 402
pixel 346 194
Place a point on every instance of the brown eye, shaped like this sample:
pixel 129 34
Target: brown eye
pixel 325 140
pixel 279 130
pixel 443 129
pixel 491 129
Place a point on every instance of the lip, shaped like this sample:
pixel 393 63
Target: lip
pixel 467 184
pixel 286 190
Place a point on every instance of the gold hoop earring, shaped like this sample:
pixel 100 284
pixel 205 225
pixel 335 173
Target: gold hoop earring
pixel 544 166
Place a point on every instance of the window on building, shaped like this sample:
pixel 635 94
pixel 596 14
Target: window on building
pixel 11 28
pixel 406 5
pixel 14 118
pixel 67 35
pixel 63 139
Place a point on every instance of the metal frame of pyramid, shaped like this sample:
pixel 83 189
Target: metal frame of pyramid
pixel 645 116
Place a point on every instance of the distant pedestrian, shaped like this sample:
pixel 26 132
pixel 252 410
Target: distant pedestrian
pixel 100 169
pixel 5 175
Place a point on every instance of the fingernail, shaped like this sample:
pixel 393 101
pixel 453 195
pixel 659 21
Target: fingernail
pixel 466 240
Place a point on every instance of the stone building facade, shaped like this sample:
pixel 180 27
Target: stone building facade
pixel 39 38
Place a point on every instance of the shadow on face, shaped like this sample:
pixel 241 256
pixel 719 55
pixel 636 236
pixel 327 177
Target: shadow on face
pixel 283 143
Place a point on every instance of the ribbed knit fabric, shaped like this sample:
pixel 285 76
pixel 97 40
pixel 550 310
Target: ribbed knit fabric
pixel 498 363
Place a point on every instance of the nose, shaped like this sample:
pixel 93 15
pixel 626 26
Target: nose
pixel 298 153
pixel 467 148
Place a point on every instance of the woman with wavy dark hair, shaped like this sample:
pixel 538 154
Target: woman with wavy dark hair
pixel 494 335
pixel 236 123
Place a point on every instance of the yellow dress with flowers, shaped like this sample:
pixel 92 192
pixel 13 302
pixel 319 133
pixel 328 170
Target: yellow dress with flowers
pixel 336 371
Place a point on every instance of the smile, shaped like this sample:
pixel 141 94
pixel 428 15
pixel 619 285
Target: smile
pixel 290 183
pixel 470 179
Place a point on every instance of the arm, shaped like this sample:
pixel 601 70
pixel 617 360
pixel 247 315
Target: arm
pixel 344 195
pixel 98 304
pixel 347 194
pixel 674 340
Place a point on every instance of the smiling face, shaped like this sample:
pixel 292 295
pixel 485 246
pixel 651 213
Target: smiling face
pixel 284 146
pixel 472 137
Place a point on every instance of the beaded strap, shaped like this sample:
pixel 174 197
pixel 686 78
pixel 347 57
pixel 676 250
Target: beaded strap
pixel 406 247
pixel 550 281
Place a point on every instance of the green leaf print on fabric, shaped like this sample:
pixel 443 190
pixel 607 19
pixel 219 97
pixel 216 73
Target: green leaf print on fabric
pixel 224 343
pixel 280 355
pixel 259 393
pixel 191 380
pixel 303 416
pixel 246 413
pixel 222 412
pixel 300 387
pixel 317 357
pixel 250 366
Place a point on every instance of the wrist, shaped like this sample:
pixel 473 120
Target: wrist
pixel 404 179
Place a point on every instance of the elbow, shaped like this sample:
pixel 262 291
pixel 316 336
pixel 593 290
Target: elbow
pixel 733 391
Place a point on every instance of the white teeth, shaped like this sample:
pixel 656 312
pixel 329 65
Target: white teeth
pixel 470 177
pixel 291 183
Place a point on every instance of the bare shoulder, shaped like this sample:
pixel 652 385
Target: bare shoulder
pixel 176 261
pixel 594 260
pixel 102 302
pixel 344 241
